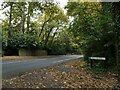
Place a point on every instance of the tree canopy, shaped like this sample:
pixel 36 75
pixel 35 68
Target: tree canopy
pixel 88 28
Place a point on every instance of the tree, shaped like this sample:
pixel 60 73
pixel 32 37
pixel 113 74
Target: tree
pixel 31 8
pixel 21 9
pixel 116 16
pixel 45 29
pixel 10 12
pixel 52 17
pixel 93 27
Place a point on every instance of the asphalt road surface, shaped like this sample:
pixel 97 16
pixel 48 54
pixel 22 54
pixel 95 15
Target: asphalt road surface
pixel 18 66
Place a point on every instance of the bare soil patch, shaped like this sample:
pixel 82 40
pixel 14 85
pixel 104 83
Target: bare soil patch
pixel 25 57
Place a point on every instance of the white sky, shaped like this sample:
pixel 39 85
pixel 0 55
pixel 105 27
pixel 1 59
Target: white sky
pixel 62 4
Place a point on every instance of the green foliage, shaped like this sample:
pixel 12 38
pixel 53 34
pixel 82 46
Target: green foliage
pixel 26 41
pixel 116 16
pixel 92 30
pixel 4 42
pixel 93 26
pixel 57 49
pixel 20 31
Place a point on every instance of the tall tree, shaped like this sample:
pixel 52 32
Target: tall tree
pixel 20 13
pixel 116 16
pixel 52 17
pixel 31 8
pixel 93 26
pixel 10 19
pixel 9 12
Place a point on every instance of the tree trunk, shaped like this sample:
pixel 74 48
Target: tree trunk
pixel 54 35
pixel 117 59
pixel 47 38
pixel 10 19
pixel 23 23
pixel 119 64
pixel 116 17
pixel 28 18
pixel 42 29
pixel 43 26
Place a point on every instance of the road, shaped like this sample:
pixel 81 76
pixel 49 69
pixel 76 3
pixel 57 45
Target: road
pixel 18 66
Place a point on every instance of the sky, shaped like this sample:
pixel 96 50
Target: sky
pixel 62 4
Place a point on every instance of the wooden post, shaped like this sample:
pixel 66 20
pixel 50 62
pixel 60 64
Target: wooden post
pixel 91 63
pixel 90 60
pixel 96 58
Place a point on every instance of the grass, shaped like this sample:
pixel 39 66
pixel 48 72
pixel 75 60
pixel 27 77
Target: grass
pixel 100 70
pixel 97 67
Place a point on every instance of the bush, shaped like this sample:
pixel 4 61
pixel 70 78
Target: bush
pixel 16 42
pixel 23 41
pixel 57 49
pixel 101 48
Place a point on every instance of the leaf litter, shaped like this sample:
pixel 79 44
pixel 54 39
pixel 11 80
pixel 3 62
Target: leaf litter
pixel 65 75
